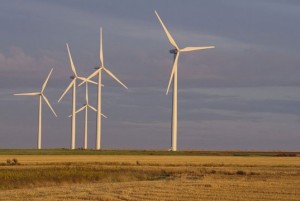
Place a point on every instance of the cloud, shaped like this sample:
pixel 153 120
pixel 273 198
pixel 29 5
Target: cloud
pixel 236 104
pixel 239 68
pixel 16 60
pixel 18 68
pixel 274 134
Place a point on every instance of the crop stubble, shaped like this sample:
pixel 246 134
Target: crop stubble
pixel 159 178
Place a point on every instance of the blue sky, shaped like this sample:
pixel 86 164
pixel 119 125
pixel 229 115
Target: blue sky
pixel 244 94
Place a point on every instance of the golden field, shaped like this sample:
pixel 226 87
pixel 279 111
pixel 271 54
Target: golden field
pixel 149 177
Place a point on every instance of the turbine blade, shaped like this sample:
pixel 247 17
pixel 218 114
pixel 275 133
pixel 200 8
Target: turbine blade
pixel 86 80
pixel 28 94
pixel 188 49
pixel 96 110
pixel 81 83
pixel 79 110
pixel 114 77
pixel 173 71
pixel 46 81
pixel 101 48
pixel 71 61
pixel 82 108
pixel 48 103
pixel 67 89
pixel 92 108
pixel 93 74
pixel 172 41
pixel 90 77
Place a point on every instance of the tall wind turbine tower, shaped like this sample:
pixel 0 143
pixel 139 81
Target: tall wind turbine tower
pixel 41 98
pixel 99 73
pixel 176 52
pixel 74 77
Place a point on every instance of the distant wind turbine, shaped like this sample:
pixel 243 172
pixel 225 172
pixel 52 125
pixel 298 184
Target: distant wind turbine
pixel 74 77
pixel 99 73
pixel 86 106
pixel 41 97
pixel 176 53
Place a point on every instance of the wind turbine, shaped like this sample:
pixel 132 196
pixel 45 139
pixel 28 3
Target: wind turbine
pixel 86 106
pixel 173 77
pixel 74 77
pixel 99 73
pixel 41 97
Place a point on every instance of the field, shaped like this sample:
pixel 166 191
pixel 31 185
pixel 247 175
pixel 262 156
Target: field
pixel 148 175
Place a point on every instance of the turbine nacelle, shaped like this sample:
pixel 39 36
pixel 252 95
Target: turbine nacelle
pixel 173 51
pixel 72 77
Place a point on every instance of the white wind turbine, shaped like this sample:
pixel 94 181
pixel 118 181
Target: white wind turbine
pixel 99 73
pixel 73 84
pixel 176 53
pixel 41 97
pixel 86 106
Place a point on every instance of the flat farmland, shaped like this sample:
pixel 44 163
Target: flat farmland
pixel 149 177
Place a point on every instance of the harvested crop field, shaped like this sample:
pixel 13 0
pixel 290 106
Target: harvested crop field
pixel 149 177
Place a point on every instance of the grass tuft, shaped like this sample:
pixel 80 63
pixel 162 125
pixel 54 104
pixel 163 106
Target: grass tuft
pixel 13 161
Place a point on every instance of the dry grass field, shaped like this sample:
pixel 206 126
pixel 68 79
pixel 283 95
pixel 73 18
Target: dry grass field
pixel 149 177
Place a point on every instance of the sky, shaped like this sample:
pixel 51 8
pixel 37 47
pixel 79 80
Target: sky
pixel 242 95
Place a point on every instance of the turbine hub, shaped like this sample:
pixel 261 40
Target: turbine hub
pixel 72 77
pixel 173 51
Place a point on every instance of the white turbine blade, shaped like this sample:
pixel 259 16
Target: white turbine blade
pixel 89 77
pixel 172 41
pixel 48 103
pixel 114 77
pixel 101 48
pixel 28 94
pixel 71 61
pixel 188 49
pixel 46 81
pixel 81 83
pixel 96 110
pixel 173 71
pixel 79 110
pixel 92 108
pixel 67 89
pixel 93 74
pixel 86 80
